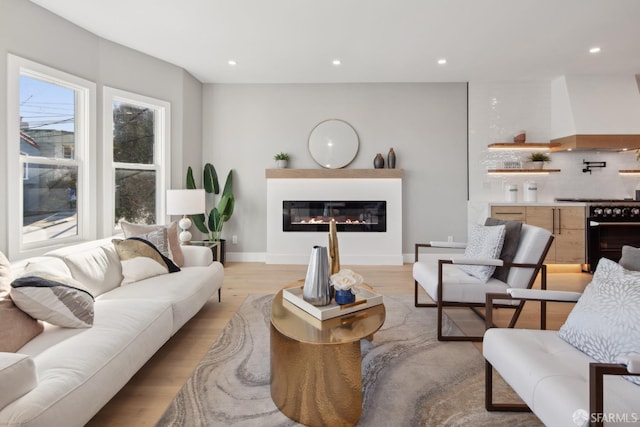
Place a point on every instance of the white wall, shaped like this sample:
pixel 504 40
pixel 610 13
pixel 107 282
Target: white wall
pixel 31 32
pixel 245 125
pixel 497 110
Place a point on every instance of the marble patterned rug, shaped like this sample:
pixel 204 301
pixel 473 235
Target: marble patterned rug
pixel 409 378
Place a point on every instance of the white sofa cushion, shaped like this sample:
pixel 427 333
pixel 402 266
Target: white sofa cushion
pixel 605 322
pixel 98 268
pixel 86 367
pixel 140 259
pixel 551 376
pixel 187 290
pixel 17 377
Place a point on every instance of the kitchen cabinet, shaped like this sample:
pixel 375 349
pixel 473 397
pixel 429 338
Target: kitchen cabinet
pixel 567 223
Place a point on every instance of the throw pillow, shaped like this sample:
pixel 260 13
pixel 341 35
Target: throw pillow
pixel 140 259
pixel 61 301
pixel 133 230
pixel 485 242
pixel 17 327
pixel 630 258
pixel 5 275
pixel 604 322
pixel 510 247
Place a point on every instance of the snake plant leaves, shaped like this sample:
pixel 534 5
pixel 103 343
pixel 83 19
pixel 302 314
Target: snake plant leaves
pixel 211 179
pixel 191 183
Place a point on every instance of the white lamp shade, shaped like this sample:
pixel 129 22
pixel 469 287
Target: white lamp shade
pixel 185 202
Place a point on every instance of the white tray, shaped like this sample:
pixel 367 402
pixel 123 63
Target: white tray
pixel 364 299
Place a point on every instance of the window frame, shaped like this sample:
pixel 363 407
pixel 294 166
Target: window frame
pixel 161 153
pixel 85 157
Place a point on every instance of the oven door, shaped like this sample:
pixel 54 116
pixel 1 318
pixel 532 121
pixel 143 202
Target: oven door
pixel 606 238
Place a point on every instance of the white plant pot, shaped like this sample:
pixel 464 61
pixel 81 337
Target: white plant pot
pixel 281 164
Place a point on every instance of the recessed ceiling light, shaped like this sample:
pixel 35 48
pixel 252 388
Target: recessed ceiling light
pixel 442 61
pixel 594 49
pixel 232 62
pixel 336 62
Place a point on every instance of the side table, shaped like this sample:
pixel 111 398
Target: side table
pixel 316 368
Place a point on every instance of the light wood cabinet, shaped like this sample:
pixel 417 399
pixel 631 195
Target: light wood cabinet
pixel 567 223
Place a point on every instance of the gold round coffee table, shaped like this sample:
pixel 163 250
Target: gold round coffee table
pixel 316 374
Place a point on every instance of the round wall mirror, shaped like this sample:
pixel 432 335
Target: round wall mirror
pixel 333 143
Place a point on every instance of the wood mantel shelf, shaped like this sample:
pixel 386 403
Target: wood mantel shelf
pixel 334 173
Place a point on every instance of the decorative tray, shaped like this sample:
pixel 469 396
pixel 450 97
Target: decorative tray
pixel 364 299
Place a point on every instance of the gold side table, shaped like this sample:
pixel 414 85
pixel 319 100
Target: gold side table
pixel 316 374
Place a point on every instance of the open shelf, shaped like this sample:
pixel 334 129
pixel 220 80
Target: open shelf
pixel 522 170
pixel 524 145
pixel 630 171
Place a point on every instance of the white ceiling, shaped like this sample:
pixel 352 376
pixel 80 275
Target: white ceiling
pixel 294 41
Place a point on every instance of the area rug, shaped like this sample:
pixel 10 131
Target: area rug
pixel 409 378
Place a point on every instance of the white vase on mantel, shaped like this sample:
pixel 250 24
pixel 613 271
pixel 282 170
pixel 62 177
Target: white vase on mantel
pixel 282 164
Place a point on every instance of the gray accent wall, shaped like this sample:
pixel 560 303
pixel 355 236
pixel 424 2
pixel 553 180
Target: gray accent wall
pixel 425 123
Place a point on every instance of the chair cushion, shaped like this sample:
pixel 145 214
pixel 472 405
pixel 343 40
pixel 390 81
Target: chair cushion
pixel 510 246
pixel 533 241
pixel 604 322
pixel 485 242
pixel 630 258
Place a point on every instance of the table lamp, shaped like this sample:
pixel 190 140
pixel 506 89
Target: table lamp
pixel 185 202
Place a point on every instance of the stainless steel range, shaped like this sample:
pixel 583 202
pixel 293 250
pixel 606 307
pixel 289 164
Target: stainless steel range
pixel 610 224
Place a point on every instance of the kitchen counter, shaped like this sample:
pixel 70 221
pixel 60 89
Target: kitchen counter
pixel 537 203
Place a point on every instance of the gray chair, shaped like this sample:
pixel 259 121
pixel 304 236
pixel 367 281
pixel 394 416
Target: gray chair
pixel 447 285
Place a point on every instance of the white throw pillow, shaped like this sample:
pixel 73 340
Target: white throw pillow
pixel 485 242
pixel 605 322
pixel 61 301
pixel 140 260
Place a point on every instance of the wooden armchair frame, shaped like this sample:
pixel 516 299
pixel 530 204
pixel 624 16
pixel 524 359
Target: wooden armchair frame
pixel 539 268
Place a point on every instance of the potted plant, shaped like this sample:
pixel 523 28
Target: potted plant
pixel 282 159
pixel 211 224
pixel 538 159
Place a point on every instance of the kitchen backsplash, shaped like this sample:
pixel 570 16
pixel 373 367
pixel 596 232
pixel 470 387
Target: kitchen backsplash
pixel 497 111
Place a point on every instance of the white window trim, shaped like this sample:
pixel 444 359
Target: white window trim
pixel 162 150
pixel 85 156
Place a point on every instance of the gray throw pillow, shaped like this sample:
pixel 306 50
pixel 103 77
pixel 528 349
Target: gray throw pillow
pixel 630 258
pixel 510 246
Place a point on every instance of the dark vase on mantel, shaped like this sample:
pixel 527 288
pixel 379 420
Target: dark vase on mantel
pixel 391 159
pixel 378 162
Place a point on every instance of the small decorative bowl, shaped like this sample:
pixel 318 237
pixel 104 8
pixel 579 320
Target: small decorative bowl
pixel 344 297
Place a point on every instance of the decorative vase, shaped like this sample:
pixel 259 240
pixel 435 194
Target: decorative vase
pixel 344 297
pixel 378 162
pixel 391 159
pixel 316 290
pixel 282 164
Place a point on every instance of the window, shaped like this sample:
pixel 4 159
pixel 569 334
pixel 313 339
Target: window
pixel 52 116
pixel 136 141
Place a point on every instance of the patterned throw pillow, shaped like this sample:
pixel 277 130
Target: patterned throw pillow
pixel 605 322
pixel 138 230
pixel 485 242
pixel 140 259
pixel 61 301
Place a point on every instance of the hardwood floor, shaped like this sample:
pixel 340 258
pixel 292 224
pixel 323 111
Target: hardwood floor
pixel 144 399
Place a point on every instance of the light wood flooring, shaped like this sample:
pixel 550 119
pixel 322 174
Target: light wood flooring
pixel 144 399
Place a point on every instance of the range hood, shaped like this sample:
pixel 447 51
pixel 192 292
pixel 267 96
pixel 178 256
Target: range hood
pixel 595 112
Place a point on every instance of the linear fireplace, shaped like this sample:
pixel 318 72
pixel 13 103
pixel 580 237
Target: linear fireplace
pixel 350 216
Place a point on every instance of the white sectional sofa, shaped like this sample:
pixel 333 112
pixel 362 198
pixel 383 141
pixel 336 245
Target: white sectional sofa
pixel 72 373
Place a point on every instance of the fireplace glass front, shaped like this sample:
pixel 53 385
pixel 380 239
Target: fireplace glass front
pixel 350 216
